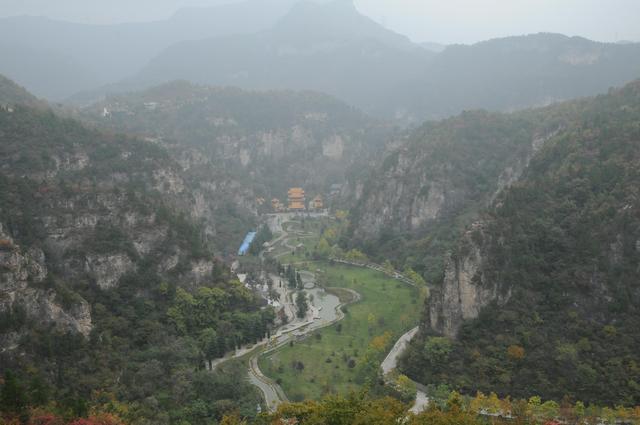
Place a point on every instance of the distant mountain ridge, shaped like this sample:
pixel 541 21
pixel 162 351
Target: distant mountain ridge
pixel 517 72
pixel 86 56
pixel 330 48
pixel 349 56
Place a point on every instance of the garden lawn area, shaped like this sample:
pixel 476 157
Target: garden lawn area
pixel 346 355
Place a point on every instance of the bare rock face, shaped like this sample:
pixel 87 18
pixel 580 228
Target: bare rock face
pixel 107 270
pixel 412 189
pixel 404 199
pixel 21 273
pixel 42 305
pixel 201 271
pixel 464 291
pixel 333 147
pixel 168 182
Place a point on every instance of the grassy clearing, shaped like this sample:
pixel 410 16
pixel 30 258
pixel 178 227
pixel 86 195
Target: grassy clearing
pixel 303 253
pixel 344 356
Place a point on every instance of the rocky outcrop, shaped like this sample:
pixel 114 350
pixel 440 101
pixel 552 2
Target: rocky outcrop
pixel 106 270
pixel 269 141
pixel 333 148
pixel 405 197
pixel 83 209
pixel 445 170
pixel 464 291
pixel 21 276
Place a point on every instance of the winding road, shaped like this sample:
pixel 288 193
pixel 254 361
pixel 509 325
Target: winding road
pixel 390 363
pixel 317 318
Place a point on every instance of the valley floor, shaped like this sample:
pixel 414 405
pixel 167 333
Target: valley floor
pixel 343 356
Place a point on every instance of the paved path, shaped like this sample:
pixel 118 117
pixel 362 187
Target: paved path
pixel 377 267
pixel 422 402
pixel 273 393
pixel 391 361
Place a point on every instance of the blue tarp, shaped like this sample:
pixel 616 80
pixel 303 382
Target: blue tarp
pixel 246 243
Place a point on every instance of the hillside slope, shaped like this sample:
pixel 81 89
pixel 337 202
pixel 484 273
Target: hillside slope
pixel 542 293
pixel 107 265
pixel 269 140
pixel 13 94
pixel 412 205
pixel 507 74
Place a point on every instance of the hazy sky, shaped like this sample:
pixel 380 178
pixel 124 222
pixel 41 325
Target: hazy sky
pixel 445 21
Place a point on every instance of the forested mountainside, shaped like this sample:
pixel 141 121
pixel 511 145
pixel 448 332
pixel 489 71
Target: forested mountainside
pixel 511 73
pixel 108 284
pixel 411 207
pixel 269 140
pixel 12 94
pixel 541 294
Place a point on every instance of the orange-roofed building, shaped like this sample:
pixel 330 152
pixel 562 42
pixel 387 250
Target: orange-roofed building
pixel 296 199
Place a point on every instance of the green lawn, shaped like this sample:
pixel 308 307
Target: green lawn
pixel 336 362
pixel 311 226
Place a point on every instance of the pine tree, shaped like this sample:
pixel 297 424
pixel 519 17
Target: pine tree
pixel 12 396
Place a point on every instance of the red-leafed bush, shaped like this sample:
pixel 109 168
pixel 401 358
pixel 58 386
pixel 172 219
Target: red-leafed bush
pixel 46 419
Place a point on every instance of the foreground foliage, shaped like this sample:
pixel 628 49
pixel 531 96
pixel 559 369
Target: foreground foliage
pixel 359 409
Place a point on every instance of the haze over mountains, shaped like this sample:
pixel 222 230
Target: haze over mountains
pixel 37 51
pixel 328 47
pixel 464 217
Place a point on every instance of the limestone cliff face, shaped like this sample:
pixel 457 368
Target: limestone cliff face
pixel 81 211
pixel 444 170
pixel 21 276
pixel 464 291
pixel 404 198
pixel 272 140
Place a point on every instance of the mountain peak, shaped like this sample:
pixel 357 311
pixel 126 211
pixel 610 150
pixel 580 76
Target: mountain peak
pixel 310 22
pixel 13 94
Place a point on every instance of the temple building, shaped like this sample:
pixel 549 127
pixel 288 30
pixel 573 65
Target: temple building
pixel 316 203
pixel 277 205
pixel 296 199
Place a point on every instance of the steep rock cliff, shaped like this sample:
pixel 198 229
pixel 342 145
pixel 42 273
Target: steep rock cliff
pixel 464 290
pixel 81 212
pixel 541 295
pixel 22 274
pixel 252 135
pixel 449 168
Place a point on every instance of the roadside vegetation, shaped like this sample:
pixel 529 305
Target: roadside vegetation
pixel 347 355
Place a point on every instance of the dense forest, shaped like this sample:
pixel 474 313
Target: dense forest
pixel 561 249
pixel 417 200
pixel 112 301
